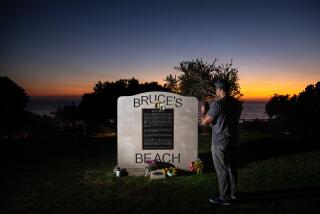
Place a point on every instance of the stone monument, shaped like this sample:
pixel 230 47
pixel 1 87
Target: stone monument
pixel 157 126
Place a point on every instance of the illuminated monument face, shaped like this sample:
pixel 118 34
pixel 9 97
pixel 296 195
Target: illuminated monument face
pixel 158 126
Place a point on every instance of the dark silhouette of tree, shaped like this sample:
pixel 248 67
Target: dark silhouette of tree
pixel 12 107
pixel 308 109
pixel 198 76
pixel 68 113
pixel 100 106
pixel 13 97
pixel 299 114
pixel 278 106
pixel 172 83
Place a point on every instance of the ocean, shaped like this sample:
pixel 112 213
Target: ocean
pixel 48 106
pixel 251 110
pixel 254 110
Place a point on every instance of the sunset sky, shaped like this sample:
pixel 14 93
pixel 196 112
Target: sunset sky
pixel 54 48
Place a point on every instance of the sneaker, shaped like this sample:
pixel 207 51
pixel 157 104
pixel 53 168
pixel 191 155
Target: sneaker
pixel 219 201
pixel 233 197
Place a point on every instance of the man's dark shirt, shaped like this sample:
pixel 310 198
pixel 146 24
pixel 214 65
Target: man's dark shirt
pixel 226 114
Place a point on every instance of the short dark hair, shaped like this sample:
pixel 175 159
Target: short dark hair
pixel 222 84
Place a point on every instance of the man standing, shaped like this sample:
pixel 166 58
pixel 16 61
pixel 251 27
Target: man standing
pixel 224 115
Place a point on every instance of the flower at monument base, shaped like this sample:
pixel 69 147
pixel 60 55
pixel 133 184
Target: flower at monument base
pixel 171 171
pixel 196 166
pixel 152 165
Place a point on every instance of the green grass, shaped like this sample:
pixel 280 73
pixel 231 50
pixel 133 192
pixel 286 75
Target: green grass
pixel 79 179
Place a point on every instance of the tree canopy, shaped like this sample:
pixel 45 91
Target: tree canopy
pixel 299 114
pixel 198 77
pixel 14 100
pixel 101 104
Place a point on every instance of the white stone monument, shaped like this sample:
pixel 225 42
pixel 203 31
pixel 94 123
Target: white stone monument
pixel 157 126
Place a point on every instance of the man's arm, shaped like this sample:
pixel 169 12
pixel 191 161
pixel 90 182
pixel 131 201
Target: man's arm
pixel 205 118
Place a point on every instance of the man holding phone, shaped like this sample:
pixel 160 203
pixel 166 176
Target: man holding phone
pixel 224 114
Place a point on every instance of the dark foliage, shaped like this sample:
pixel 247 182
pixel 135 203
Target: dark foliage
pixel 198 77
pixel 259 125
pixel 16 122
pixel 97 110
pixel 68 113
pixel 299 114
pixel 12 107
pixel 100 106
pixel 68 118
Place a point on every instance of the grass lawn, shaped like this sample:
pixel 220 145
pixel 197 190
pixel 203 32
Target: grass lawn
pixel 77 178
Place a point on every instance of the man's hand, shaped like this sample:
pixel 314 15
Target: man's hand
pixel 205 119
pixel 203 109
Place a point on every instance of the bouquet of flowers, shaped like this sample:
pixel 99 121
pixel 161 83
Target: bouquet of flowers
pixel 172 171
pixel 196 166
pixel 152 165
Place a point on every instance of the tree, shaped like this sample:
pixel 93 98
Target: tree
pixel 278 106
pixel 198 77
pixel 100 106
pixel 308 109
pixel 68 113
pixel 299 114
pixel 14 100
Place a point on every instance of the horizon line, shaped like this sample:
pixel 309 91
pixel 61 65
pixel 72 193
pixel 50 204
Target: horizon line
pixel 78 97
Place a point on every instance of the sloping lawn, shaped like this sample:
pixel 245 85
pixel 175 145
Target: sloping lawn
pixel 77 178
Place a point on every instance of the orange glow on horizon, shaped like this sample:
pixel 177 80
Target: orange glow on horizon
pixel 62 91
pixel 256 86
pixel 265 90
pixel 252 92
